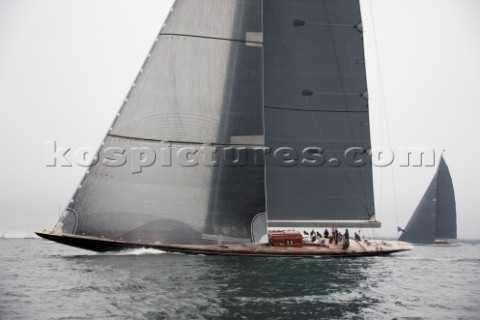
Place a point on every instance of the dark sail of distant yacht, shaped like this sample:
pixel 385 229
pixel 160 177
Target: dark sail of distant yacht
pixel 435 218
pixel 270 96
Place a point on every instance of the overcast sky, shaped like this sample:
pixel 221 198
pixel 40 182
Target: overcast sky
pixel 66 66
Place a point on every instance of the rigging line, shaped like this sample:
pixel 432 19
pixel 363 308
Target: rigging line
pixel 332 37
pixel 263 125
pixel 383 106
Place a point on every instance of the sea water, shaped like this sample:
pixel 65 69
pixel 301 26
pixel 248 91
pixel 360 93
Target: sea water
pixel 44 280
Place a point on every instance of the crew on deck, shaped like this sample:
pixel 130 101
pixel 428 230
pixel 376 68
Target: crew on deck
pixel 346 240
pixel 357 237
pixel 335 236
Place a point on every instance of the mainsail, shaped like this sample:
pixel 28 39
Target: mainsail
pixel 316 115
pixel 199 88
pixel 435 216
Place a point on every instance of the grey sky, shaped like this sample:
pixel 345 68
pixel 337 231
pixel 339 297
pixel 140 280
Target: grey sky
pixel 66 66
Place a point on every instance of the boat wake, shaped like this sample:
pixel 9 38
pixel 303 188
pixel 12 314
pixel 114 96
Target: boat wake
pixel 136 252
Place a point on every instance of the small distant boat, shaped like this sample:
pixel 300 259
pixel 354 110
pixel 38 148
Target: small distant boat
pixel 435 219
pixel 29 235
pixel 446 243
pixel 2 236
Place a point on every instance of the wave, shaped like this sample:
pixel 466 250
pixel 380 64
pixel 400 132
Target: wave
pixel 135 252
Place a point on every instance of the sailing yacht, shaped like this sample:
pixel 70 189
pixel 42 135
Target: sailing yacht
pixel 435 219
pixel 271 97
pixel 29 235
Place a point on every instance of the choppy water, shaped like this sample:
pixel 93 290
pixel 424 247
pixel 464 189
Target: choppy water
pixel 43 280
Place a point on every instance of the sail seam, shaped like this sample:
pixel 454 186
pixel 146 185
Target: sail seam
pixel 316 24
pixel 184 142
pixel 312 110
pixel 210 38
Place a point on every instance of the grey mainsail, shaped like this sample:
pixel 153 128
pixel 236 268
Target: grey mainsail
pixel 200 87
pixel 316 96
pixel 435 216
pixel 446 223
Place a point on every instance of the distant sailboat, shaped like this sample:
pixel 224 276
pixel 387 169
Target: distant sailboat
pixel 243 76
pixel 435 219
pixel 2 236
pixel 29 235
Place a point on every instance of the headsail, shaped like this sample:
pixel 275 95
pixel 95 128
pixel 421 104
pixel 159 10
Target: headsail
pixel 200 87
pixel 316 110
pixel 435 216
